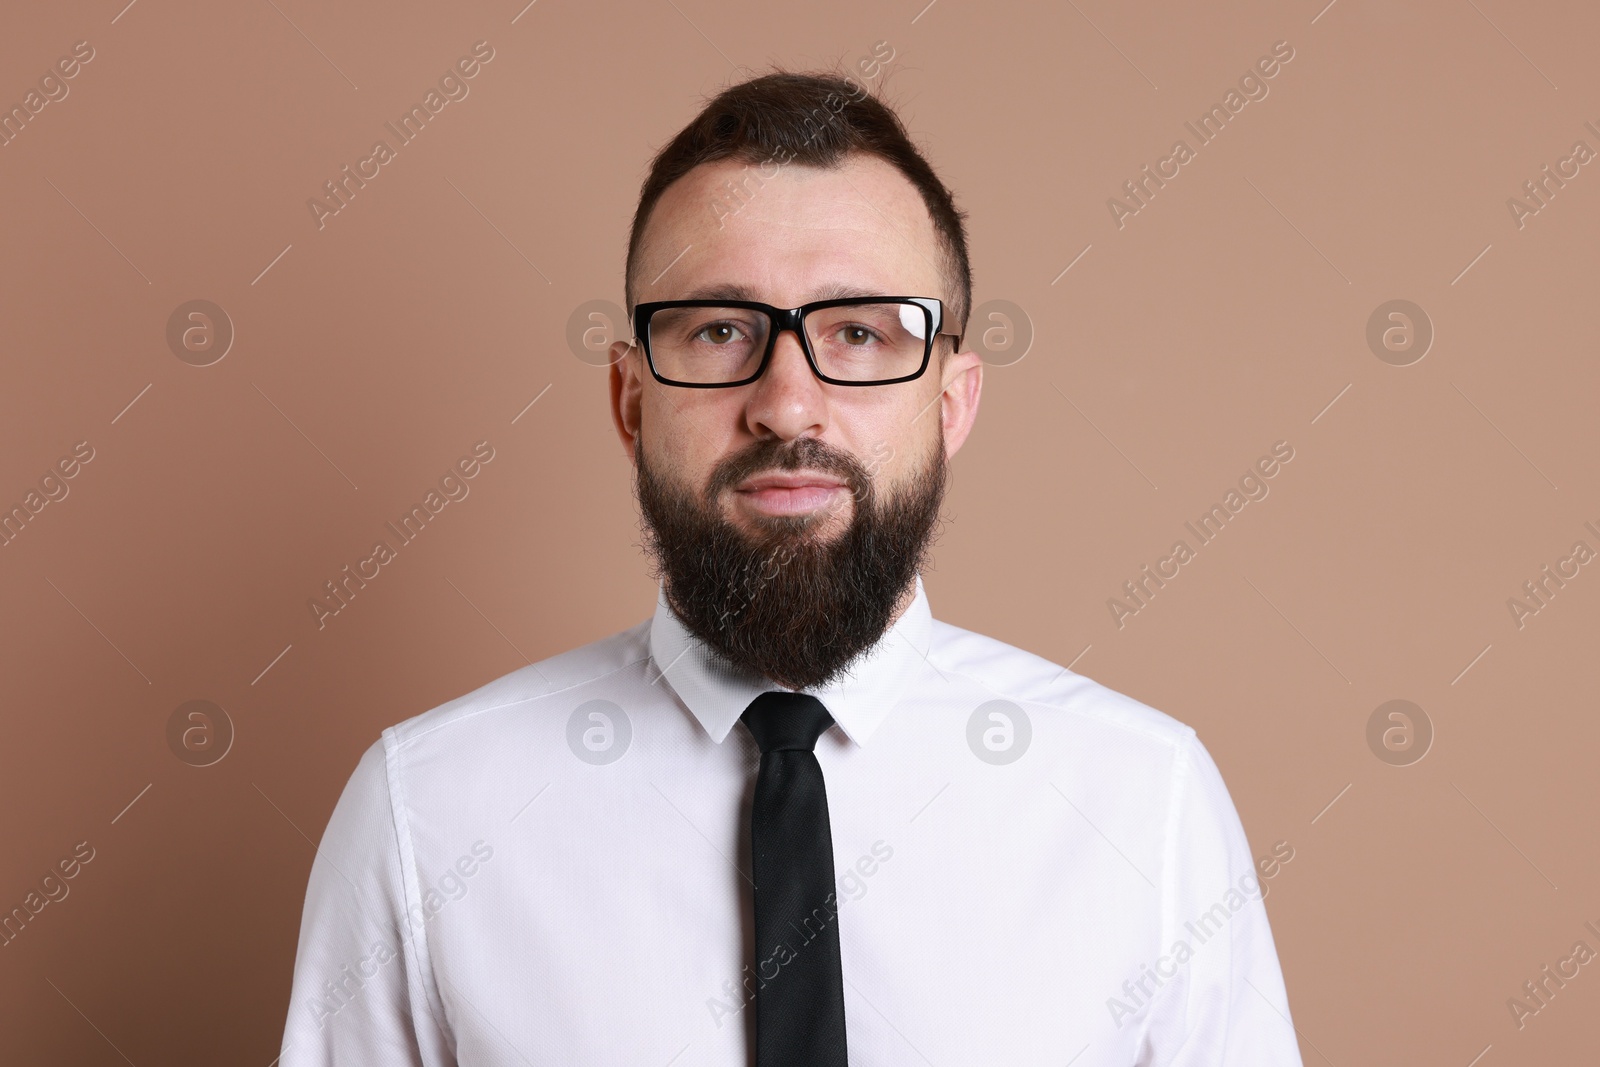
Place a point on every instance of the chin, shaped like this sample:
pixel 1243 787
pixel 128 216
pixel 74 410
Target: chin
pixel 821 523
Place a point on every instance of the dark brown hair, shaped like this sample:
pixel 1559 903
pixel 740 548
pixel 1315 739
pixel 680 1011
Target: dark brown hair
pixel 816 119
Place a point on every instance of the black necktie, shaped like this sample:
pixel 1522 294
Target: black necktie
pixel 800 984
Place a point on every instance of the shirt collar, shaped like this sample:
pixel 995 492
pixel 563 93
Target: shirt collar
pixel 717 693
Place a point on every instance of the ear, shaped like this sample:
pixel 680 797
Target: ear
pixel 958 403
pixel 627 386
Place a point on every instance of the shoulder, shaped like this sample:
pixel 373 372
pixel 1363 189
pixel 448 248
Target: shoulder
pixel 1054 694
pixel 520 695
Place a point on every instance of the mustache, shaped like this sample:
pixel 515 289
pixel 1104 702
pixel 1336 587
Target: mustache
pixel 802 453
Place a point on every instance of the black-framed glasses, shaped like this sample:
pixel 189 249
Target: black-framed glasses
pixel 859 340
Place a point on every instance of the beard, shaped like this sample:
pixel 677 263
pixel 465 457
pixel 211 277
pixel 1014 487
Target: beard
pixel 781 602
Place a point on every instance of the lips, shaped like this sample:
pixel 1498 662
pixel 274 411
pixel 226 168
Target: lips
pixel 790 493
pixel 788 480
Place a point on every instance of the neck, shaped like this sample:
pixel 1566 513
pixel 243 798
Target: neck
pixel 907 595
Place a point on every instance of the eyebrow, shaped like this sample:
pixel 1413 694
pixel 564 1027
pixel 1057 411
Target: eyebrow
pixel 731 291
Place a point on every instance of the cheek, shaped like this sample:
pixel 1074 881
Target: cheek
pixel 684 437
pixel 896 436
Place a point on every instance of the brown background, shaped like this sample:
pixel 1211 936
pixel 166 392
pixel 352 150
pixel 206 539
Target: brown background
pixel 1226 315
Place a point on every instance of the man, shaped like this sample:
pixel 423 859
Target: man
pixel 791 819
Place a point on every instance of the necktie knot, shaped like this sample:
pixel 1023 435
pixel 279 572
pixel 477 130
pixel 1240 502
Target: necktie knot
pixel 781 721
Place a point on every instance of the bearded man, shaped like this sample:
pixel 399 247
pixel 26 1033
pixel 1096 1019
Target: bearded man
pixel 791 819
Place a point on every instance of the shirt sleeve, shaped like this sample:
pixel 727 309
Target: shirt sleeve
pixel 359 995
pixel 1220 997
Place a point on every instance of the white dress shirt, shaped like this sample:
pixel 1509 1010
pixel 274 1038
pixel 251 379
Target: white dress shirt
pixel 553 870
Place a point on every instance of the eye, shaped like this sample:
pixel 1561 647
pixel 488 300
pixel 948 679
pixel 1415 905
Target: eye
pixel 855 334
pixel 719 333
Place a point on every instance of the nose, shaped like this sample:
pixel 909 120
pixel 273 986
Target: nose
pixel 787 401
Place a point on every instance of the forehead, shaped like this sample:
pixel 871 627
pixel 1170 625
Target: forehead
pixel 790 233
